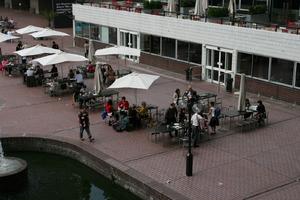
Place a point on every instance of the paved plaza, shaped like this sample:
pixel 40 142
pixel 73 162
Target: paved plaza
pixel 259 164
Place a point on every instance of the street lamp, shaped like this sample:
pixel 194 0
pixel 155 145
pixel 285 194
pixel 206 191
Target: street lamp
pixel 189 155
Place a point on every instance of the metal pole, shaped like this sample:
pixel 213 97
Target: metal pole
pixel 189 155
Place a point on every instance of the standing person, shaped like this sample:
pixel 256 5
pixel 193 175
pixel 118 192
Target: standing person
pixel 86 48
pixel 79 79
pixel 84 124
pixel 171 116
pixel 196 127
pixel 19 46
pixel 214 120
pixel 54 45
pixel 54 71
pixel 176 96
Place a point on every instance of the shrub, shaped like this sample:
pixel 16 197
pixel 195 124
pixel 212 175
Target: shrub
pixel 187 3
pixel 257 9
pixel 218 12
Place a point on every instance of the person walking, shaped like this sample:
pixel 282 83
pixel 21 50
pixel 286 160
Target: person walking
pixel 84 124
pixel 86 48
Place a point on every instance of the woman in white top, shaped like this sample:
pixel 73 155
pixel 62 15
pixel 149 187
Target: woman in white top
pixel 214 121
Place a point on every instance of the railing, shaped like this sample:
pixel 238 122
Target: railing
pixel 135 7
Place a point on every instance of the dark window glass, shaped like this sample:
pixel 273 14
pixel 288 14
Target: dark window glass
pixel 286 4
pixel 183 50
pixel 208 57
pixel 244 63
pixel 155 45
pixel 112 35
pixel 246 4
pixel 195 53
pixel 95 32
pixel 168 47
pixel 298 76
pixel 260 67
pixel 282 71
pixel 215 2
pixel 145 42
pixel 216 58
pixel 78 28
pixel 82 29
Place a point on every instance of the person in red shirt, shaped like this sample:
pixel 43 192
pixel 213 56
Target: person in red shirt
pixel 109 111
pixel 91 68
pixel 123 105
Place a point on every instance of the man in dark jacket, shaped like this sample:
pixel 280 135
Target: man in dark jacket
pixel 84 124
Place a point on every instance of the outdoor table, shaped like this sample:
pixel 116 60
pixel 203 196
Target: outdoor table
pixel 123 72
pixel 207 96
pixel 162 128
pixel 59 86
pixel 232 114
pixel 155 108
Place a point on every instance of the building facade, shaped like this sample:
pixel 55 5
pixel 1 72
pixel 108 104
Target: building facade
pixel 271 60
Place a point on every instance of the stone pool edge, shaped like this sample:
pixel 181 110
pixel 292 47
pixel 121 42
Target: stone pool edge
pixel 139 184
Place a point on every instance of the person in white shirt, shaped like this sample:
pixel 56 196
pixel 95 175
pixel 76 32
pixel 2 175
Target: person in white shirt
pixel 196 126
pixel 30 72
pixel 79 78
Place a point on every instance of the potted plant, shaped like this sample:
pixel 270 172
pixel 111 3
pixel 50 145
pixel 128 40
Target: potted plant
pixel 49 15
pixel 257 13
pixel 217 12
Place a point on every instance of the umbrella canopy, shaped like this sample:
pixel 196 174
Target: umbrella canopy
pixel 171 6
pixel 47 32
pixel 232 7
pixel 59 58
pixel 4 37
pixel 36 50
pixel 134 81
pixel 91 51
pixel 242 95
pixel 29 29
pixel 200 7
pixel 98 79
pixel 118 50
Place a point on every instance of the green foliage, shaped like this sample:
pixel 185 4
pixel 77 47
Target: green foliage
pixel 217 12
pixel 187 3
pixel 49 15
pixel 152 4
pixel 257 9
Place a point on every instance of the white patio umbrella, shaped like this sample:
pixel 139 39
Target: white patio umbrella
pixel 98 79
pixel 232 7
pixel 36 50
pixel 118 50
pixel 29 29
pixel 58 58
pixel 171 6
pixel 5 37
pixel 134 81
pixel 242 94
pixel 200 7
pixel 91 51
pixel 47 32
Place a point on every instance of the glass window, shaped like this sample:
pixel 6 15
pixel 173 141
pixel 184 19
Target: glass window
pixel 104 34
pixel 85 30
pixel 78 28
pixel 82 29
pixel 215 2
pixel 208 57
pixel 168 47
pixel 298 76
pixel 216 58
pixel 195 53
pixel 155 45
pixel 95 32
pixel 182 50
pixel 112 35
pixel 145 42
pixel 282 71
pixel 246 4
pixel 244 63
pixel 260 67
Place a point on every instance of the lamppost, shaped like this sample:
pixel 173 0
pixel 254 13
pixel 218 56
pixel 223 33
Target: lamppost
pixel 189 155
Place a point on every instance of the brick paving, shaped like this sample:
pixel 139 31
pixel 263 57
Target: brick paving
pixel 260 164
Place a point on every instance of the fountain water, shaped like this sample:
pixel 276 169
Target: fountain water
pixel 13 172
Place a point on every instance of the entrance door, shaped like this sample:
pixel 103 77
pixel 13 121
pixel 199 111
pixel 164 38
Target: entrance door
pixel 218 65
pixel 129 39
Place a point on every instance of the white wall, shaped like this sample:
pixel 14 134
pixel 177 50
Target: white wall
pixel 267 43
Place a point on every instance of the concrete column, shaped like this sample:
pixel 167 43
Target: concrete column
pixel 8 3
pixel 34 5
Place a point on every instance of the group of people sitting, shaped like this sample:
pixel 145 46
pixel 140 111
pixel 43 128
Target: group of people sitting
pixel 125 117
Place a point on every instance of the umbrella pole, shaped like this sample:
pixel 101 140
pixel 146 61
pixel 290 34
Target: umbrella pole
pixel 62 73
pixel 135 91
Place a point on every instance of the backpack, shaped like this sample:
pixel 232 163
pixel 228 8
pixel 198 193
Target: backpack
pixel 217 112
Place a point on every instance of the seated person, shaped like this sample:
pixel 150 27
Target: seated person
pixel 30 72
pixel 109 111
pixel 54 72
pixel 171 116
pixel 134 120
pixel 261 112
pixel 142 111
pixel 122 123
pixel 71 74
pixel 39 74
pixel 247 106
pixel 90 67
pixel 123 105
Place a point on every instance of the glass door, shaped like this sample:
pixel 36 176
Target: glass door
pixel 129 39
pixel 218 65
